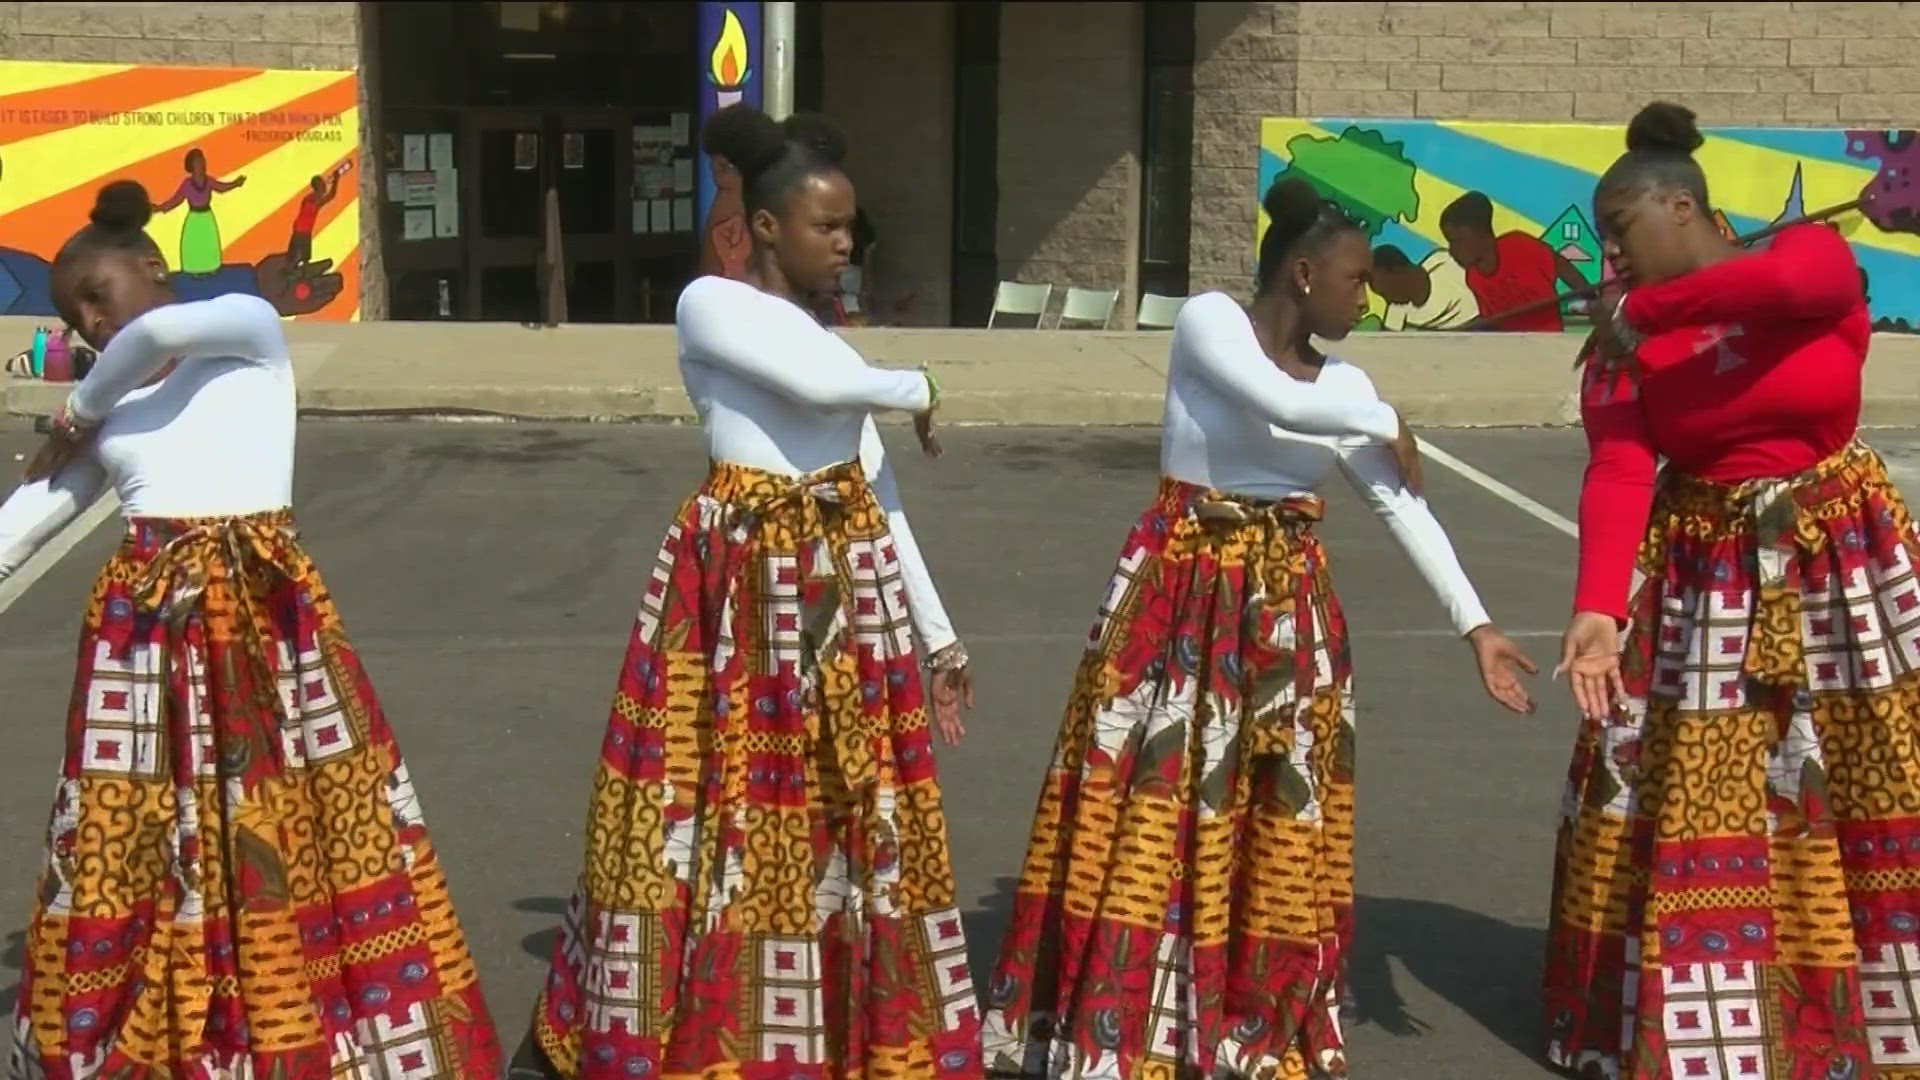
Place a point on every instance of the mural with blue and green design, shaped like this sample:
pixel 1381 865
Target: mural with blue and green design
pixel 1473 219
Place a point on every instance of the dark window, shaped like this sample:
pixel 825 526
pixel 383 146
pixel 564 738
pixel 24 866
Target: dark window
pixel 976 160
pixel 1166 151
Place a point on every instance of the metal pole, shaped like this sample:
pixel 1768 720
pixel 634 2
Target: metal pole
pixel 777 43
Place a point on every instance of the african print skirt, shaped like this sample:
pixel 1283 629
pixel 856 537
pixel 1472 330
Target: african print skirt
pixel 1737 881
pixel 767 891
pixel 239 882
pixel 1186 901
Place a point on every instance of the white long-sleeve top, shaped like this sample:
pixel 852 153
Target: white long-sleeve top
pixel 777 391
pixel 1236 423
pixel 214 438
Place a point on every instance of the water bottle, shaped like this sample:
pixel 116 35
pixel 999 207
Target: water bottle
pixel 38 363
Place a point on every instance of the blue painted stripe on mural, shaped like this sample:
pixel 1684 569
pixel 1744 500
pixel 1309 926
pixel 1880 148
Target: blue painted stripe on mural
pixel 1828 146
pixel 1524 184
pixel 1411 244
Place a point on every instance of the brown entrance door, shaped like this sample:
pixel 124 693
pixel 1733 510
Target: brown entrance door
pixel 516 158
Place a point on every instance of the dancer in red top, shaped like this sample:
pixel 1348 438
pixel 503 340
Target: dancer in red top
pixel 1739 855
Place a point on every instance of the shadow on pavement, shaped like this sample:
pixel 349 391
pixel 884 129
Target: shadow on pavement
pixel 14 960
pixel 1487 968
pixel 539 944
pixel 984 926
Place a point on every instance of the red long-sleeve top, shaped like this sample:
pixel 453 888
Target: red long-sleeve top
pixel 1750 367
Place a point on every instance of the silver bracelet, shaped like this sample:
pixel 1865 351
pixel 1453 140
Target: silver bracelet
pixel 67 425
pixel 952 658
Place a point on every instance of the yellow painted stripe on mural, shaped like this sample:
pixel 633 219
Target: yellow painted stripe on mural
pixel 27 76
pixel 264 194
pixel 337 238
pixel 1823 183
pixel 41 167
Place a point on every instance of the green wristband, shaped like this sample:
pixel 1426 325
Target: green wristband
pixel 933 389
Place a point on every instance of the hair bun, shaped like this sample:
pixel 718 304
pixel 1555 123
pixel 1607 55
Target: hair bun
pixel 1292 205
pixel 122 207
pixel 748 138
pixel 1664 125
pixel 818 134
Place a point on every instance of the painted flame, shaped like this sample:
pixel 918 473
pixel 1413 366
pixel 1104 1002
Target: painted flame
pixel 728 64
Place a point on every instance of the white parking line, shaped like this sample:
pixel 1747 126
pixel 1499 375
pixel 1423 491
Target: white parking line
pixel 56 549
pixel 1532 508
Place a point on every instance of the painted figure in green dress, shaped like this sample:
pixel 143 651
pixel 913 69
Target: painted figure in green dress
pixel 200 232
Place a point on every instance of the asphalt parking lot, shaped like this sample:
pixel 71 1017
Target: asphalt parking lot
pixel 488 574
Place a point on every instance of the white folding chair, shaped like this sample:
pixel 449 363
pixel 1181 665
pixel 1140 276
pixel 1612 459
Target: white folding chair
pixel 1092 307
pixel 1019 298
pixel 1157 312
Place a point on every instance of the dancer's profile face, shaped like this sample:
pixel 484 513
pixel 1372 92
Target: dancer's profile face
pixel 102 292
pixel 1644 231
pixel 811 232
pixel 1335 277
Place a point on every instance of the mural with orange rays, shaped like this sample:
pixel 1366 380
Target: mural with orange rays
pixel 254 176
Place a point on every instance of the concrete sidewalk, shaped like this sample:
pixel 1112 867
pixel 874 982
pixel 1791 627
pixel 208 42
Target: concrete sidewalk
pixel 987 376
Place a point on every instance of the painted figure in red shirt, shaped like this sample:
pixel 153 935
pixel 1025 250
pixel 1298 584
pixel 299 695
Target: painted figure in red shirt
pixel 320 192
pixel 1738 861
pixel 1509 270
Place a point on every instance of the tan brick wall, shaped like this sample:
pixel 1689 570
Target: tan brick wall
pixel 1069 175
pixel 1748 63
pixel 889 82
pixel 277 35
pixel 1245 69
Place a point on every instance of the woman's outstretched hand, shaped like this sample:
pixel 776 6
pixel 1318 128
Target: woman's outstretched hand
pixel 950 692
pixel 1501 663
pixel 1590 658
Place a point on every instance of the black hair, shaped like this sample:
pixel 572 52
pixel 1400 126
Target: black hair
pixel 1388 257
pixel 118 223
pixel 186 164
pixel 1661 140
pixel 1298 219
pixel 772 156
pixel 1470 211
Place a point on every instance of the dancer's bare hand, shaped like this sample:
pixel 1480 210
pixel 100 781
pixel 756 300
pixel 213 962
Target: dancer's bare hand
pixel 1590 658
pixel 1406 454
pixel 923 428
pixel 64 440
pixel 951 691
pixel 1500 662
pixel 52 456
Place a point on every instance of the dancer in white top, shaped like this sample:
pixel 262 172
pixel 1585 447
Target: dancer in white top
pixel 232 809
pixel 1210 726
pixel 765 818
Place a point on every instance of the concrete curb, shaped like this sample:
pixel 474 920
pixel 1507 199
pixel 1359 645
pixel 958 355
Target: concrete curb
pixel 1036 408
pixel 1041 408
